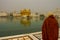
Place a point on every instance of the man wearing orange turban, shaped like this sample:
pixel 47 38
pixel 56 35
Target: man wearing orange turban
pixel 50 28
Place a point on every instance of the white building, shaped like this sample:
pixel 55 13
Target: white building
pixel 15 14
pixel 57 12
pixel 34 15
pixel 3 14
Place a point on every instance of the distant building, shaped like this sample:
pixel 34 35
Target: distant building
pixel 25 12
pixel 15 14
pixel 3 14
pixel 35 15
pixel 57 12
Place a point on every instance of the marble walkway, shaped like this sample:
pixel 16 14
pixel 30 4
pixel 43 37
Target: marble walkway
pixel 30 36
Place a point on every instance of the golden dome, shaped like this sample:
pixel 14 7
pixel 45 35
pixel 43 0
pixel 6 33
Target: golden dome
pixel 25 12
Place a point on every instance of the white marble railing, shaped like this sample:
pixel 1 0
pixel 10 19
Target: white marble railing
pixel 30 36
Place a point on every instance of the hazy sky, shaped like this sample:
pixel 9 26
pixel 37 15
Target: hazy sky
pixel 34 5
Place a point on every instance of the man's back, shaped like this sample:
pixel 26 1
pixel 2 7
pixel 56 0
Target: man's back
pixel 50 29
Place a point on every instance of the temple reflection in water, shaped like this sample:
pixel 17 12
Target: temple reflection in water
pixel 23 21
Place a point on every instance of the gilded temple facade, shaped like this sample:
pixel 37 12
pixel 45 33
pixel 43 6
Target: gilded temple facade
pixel 25 12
